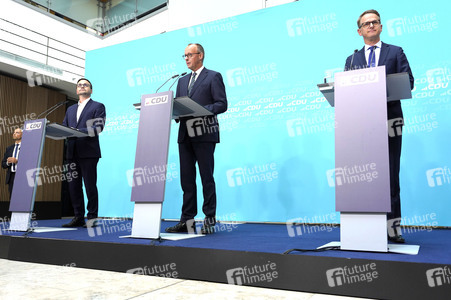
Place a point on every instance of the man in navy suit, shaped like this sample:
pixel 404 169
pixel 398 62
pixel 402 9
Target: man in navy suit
pixel 197 143
pixel 10 159
pixel 89 117
pixel 395 61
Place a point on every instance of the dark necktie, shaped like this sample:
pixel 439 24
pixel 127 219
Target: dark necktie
pixel 193 79
pixel 372 57
pixel 14 166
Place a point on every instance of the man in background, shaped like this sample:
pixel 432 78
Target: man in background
pixel 11 159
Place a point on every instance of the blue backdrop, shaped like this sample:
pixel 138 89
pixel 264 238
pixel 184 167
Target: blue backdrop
pixel 277 137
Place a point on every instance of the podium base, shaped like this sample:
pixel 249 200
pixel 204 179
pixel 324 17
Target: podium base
pixel 392 248
pixel 363 231
pixel 20 221
pixel 147 220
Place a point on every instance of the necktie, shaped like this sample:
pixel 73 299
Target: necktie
pixel 13 166
pixel 193 79
pixel 372 57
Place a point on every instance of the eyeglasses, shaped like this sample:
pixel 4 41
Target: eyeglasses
pixel 189 55
pixel 367 24
pixel 83 85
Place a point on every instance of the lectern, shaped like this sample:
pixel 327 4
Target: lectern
pixel 361 174
pixel 29 173
pixel 148 178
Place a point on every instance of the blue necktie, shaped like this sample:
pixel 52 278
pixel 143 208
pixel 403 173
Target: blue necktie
pixel 13 166
pixel 372 57
pixel 193 79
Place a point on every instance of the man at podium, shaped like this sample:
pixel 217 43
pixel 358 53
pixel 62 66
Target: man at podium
pixel 197 139
pixel 89 117
pixel 376 53
pixel 11 158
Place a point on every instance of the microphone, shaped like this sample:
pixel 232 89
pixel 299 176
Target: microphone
pixel 52 109
pixel 183 74
pixel 166 82
pixel 352 59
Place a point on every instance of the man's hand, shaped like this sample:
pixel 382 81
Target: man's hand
pixel 12 160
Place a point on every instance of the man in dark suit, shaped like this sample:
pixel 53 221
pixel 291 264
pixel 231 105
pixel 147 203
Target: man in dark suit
pixel 10 159
pixel 395 61
pixel 89 117
pixel 206 87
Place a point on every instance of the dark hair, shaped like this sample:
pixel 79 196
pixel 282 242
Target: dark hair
pixel 200 49
pixel 86 80
pixel 369 11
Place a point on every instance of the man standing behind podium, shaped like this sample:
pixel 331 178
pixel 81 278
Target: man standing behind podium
pixel 206 87
pixel 375 53
pixel 11 158
pixel 88 117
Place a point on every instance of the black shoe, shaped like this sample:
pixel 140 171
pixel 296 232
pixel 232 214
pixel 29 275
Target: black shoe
pixel 180 227
pixel 91 223
pixel 397 239
pixel 207 229
pixel 76 222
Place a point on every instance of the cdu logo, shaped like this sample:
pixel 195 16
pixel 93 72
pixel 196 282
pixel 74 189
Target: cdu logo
pixel 156 100
pixel 33 126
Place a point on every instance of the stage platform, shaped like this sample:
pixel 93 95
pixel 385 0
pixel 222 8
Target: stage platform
pixel 247 254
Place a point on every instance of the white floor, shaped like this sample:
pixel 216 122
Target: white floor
pixel 21 280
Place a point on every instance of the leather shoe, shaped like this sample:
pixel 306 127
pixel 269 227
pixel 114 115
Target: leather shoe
pixel 180 227
pixel 397 239
pixel 75 222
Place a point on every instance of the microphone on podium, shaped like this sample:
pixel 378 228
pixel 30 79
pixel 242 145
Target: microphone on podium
pixel 52 109
pixel 183 74
pixel 352 59
pixel 166 82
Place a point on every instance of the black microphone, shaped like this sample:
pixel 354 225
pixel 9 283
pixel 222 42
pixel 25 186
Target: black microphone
pixel 183 74
pixel 352 58
pixel 166 82
pixel 52 109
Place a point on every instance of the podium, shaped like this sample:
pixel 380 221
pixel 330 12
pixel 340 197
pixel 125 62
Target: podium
pixel 29 173
pixel 148 178
pixel 362 174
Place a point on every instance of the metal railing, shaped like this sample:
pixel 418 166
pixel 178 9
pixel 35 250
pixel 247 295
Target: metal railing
pixel 38 50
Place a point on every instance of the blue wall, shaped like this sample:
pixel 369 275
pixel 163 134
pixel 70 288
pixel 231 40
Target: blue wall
pixel 278 126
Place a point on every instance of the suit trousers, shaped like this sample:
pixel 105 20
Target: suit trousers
pixel 86 169
pixel 203 154
pixel 11 183
pixel 394 154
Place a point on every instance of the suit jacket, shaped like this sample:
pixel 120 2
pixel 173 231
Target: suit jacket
pixel 8 153
pixel 209 91
pixel 91 121
pixel 395 61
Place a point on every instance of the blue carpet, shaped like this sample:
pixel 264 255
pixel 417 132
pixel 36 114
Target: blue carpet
pixel 434 244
